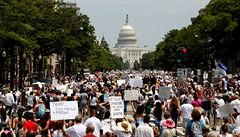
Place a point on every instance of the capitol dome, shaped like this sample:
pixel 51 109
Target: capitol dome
pixel 127 36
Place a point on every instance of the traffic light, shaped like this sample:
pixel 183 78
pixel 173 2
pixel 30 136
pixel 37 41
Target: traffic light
pixel 211 51
pixel 182 55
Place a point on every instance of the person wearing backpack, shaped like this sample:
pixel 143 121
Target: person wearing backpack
pixel 40 109
pixel 195 126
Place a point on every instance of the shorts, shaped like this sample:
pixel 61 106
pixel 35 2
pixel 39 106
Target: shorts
pixel 185 122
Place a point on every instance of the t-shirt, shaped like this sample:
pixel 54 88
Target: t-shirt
pixel 96 123
pixel 30 126
pixel 186 110
pixel 90 135
pixel 77 130
pixel 195 128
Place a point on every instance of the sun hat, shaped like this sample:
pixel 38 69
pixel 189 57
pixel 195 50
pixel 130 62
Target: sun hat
pixel 169 123
pixel 125 126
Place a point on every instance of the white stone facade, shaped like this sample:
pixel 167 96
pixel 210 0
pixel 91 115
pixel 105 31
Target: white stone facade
pixel 127 46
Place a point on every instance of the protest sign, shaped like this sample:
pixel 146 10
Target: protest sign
pixel 106 97
pixel 134 83
pixel 165 92
pixel 116 106
pixel 54 82
pixel 121 82
pixel 131 95
pixel 63 110
pixel 225 110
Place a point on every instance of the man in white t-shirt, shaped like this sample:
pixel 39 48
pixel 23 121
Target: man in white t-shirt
pixel 186 110
pixel 78 129
pixel 94 121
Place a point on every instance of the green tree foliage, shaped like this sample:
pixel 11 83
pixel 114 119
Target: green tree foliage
pixel 44 27
pixel 148 61
pixel 214 34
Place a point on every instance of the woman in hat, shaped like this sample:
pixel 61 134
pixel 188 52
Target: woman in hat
pixel 170 130
pixel 123 129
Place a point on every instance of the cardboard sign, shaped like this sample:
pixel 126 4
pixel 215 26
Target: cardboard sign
pixel 121 82
pixel 165 92
pixel 106 97
pixel 116 106
pixel 134 83
pixel 131 95
pixel 54 82
pixel 63 110
pixel 225 110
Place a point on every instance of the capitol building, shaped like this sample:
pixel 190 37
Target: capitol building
pixel 127 46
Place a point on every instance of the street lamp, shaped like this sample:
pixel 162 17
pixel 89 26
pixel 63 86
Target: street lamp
pixel 40 57
pixel 4 54
pixel 24 55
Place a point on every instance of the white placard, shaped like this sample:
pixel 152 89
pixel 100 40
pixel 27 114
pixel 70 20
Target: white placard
pixel 63 110
pixel 134 83
pixel 165 92
pixel 54 82
pixel 116 106
pixel 62 88
pixel 225 110
pixel 106 97
pixel 130 95
pixel 121 82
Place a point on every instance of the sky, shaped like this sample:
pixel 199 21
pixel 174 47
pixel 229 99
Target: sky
pixel 151 19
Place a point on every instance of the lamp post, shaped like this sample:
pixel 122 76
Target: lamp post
pixel 39 65
pixel 4 54
pixel 60 64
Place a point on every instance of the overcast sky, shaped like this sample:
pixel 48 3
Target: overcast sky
pixel 151 19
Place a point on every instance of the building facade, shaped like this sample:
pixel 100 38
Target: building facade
pixel 127 46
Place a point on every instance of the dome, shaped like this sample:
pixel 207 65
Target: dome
pixel 127 36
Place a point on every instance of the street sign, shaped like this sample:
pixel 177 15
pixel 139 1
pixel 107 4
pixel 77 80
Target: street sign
pixel 182 84
pixel 208 93
pixel 182 74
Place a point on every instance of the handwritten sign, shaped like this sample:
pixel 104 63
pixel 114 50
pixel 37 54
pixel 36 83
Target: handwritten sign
pixel 121 82
pixel 134 83
pixel 225 110
pixel 131 95
pixel 63 110
pixel 116 106
pixel 165 92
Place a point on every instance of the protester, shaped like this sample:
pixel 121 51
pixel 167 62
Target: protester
pixel 144 130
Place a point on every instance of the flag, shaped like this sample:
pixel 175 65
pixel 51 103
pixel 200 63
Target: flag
pixel 221 68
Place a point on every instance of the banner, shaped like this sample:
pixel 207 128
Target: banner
pixel 165 92
pixel 116 106
pixel 130 95
pixel 63 110
pixel 225 110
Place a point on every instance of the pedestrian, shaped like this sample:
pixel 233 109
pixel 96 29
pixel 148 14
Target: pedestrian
pixel 186 110
pixel 78 129
pixel 144 130
pixel 95 121
pixel 89 131
pixel 174 109
pixel 195 126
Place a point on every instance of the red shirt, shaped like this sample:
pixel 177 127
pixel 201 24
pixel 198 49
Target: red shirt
pixel 30 126
pixel 90 135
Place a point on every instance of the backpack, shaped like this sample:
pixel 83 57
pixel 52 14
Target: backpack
pixel 197 129
pixel 41 110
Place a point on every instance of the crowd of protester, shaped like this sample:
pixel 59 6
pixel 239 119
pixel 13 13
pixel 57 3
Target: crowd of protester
pixel 27 113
